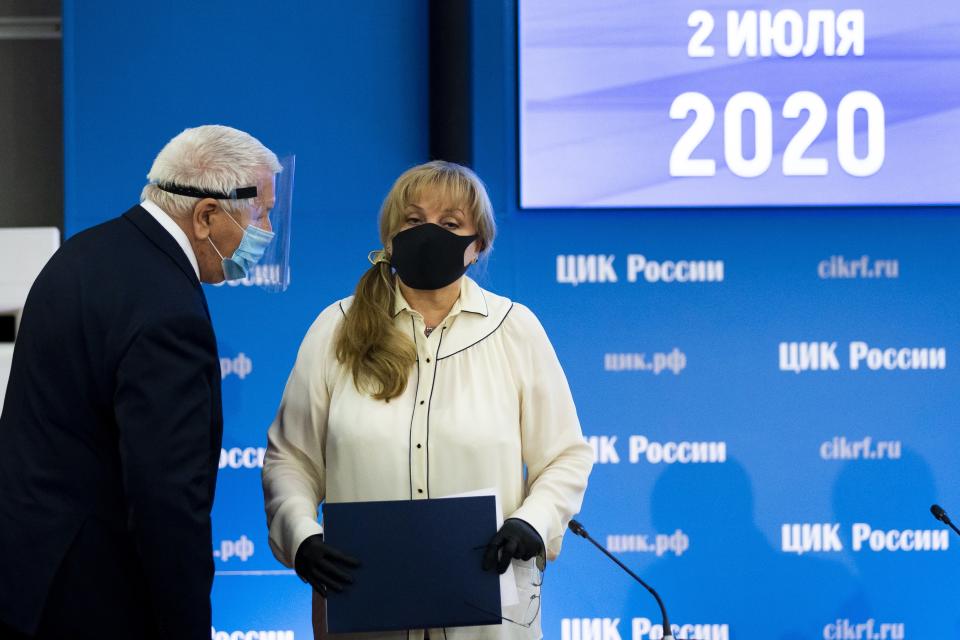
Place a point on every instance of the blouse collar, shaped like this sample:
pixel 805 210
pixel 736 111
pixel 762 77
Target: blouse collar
pixel 471 300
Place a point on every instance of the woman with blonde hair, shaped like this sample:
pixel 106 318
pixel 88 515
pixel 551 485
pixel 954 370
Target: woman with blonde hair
pixel 423 385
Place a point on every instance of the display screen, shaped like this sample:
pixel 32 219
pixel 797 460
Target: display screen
pixel 651 104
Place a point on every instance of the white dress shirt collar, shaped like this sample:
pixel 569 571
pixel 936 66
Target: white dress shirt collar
pixel 174 230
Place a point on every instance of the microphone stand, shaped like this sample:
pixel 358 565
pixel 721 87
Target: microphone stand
pixel 942 516
pixel 578 529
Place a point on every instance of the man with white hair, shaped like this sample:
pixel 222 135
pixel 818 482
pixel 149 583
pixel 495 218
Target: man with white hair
pixel 111 430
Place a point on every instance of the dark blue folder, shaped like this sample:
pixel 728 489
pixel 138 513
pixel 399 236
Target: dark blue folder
pixel 421 564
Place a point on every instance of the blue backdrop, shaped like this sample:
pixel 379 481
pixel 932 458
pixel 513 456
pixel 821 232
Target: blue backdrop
pixel 729 414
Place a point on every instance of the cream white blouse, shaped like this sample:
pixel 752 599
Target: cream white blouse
pixel 486 400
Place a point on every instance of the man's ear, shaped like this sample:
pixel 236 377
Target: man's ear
pixel 201 218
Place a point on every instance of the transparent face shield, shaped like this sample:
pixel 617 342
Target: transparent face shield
pixel 263 257
pixel 271 211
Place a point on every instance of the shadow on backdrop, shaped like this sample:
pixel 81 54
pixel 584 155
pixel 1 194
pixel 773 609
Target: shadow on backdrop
pixel 731 573
pixel 887 495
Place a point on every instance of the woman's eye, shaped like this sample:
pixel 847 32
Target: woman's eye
pixel 451 225
pixel 413 219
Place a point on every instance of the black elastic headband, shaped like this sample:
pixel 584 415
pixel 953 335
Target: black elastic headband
pixel 192 192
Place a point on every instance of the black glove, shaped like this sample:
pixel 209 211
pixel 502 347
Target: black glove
pixel 516 539
pixel 323 566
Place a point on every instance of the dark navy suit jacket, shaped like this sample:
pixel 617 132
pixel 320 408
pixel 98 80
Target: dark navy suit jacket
pixel 109 442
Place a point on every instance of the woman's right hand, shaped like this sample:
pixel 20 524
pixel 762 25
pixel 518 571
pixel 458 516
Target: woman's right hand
pixel 323 566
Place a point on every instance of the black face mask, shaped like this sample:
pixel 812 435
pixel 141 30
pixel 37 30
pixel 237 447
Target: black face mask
pixel 429 257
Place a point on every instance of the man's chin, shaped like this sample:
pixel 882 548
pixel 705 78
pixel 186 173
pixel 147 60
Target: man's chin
pixel 213 278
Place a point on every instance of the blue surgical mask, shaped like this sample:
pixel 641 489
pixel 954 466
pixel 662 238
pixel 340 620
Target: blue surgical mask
pixel 252 247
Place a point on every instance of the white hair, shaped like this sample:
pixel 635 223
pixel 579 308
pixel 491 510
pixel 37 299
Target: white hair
pixel 213 158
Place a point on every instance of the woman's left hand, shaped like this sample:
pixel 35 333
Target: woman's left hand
pixel 516 539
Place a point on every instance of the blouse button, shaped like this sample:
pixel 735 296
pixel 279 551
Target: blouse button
pixel 419 445
pixel 428 359
pixel 419 490
pixel 421 402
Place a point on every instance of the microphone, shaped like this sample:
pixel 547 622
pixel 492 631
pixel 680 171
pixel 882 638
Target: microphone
pixel 942 516
pixel 578 529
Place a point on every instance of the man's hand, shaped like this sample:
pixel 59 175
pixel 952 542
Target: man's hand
pixel 516 539
pixel 323 566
